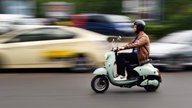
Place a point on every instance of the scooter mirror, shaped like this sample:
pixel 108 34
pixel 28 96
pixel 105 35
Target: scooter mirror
pixel 113 43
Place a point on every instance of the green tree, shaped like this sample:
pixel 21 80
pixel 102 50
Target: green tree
pixel 86 6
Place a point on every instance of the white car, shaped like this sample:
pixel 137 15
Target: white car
pixel 26 23
pixel 52 47
pixel 7 19
pixel 173 52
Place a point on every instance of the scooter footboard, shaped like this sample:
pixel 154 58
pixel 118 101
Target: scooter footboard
pixel 100 71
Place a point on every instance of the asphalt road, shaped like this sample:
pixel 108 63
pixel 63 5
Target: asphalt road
pixel 62 89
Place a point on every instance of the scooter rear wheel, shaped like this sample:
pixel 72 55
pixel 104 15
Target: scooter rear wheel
pixel 100 84
pixel 151 88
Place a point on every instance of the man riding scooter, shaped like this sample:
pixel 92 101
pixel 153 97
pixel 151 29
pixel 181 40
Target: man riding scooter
pixel 140 53
pixel 146 75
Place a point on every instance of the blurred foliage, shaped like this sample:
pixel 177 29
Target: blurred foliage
pixel 176 14
pixel 87 6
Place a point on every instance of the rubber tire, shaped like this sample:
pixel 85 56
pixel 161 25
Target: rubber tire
pixel 82 64
pixel 95 85
pixel 151 88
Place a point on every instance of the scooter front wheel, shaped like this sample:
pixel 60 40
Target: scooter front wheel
pixel 100 84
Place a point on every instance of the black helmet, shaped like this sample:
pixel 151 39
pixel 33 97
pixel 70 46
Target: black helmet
pixel 140 25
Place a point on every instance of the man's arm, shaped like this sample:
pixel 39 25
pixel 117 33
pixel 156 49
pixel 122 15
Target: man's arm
pixel 140 42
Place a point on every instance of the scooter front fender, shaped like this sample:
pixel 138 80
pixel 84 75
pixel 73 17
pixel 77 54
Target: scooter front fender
pixel 100 71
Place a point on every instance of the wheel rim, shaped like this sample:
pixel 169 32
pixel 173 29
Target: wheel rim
pixel 81 64
pixel 151 88
pixel 100 84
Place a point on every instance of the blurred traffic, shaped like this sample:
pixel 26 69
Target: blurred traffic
pixel 173 52
pixel 52 47
pixel 108 24
pixel 50 33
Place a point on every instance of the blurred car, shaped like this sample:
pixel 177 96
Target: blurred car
pixel 108 24
pixel 52 47
pixel 173 51
pixel 24 23
pixel 7 19
pixel 4 27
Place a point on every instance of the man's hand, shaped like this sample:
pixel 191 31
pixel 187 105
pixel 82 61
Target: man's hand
pixel 120 48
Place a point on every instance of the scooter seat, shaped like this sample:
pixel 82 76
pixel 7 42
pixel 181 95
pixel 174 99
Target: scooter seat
pixel 131 64
pixel 147 61
pixel 135 65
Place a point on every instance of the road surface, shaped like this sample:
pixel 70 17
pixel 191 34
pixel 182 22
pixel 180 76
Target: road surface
pixel 62 89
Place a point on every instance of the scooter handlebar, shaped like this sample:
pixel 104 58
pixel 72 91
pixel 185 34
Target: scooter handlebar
pixel 115 49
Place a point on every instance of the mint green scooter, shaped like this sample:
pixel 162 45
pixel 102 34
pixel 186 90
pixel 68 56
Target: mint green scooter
pixel 147 76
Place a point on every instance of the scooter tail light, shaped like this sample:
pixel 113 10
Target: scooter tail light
pixel 158 71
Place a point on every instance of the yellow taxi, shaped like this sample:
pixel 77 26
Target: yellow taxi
pixel 52 47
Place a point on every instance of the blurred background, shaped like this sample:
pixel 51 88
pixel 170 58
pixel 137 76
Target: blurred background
pixel 162 17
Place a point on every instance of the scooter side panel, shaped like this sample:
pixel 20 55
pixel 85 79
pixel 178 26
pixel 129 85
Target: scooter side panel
pixel 146 69
pixel 100 71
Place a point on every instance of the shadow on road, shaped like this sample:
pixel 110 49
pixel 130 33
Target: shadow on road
pixel 42 70
pixel 67 70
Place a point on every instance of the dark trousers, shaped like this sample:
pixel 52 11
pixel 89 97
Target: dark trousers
pixel 123 62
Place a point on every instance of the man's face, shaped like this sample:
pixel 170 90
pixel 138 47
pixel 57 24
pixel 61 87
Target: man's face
pixel 135 28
